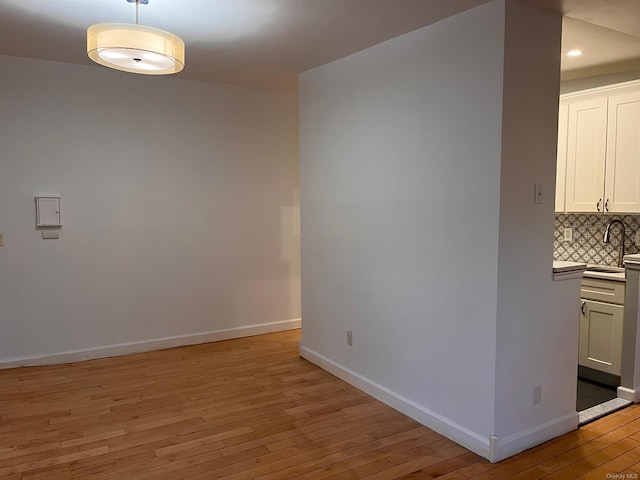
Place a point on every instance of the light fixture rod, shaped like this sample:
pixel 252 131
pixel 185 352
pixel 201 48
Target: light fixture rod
pixel 138 2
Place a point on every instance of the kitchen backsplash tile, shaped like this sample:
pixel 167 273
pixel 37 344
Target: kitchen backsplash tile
pixel 588 231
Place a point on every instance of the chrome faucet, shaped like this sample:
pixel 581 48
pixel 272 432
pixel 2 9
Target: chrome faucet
pixel 606 238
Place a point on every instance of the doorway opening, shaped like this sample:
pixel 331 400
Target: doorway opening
pixel 597 395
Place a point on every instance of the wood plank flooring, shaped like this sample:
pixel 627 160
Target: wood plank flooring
pixel 251 408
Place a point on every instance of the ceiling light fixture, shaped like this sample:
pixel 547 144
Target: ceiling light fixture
pixel 135 48
pixel 574 53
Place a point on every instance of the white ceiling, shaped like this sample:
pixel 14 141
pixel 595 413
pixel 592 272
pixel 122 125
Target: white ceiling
pixel 265 43
pixel 608 31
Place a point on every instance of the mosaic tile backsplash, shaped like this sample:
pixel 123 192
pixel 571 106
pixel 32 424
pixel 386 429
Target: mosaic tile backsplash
pixel 588 231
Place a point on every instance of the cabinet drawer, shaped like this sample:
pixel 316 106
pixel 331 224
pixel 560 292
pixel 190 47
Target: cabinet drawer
pixel 602 290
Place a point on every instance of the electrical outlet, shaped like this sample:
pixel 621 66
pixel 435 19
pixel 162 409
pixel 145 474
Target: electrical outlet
pixel 537 395
pixel 349 338
pixel 568 234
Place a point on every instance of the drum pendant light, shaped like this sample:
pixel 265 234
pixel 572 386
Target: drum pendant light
pixel 135 48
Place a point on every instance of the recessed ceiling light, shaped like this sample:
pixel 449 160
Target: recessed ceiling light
pixel 574 53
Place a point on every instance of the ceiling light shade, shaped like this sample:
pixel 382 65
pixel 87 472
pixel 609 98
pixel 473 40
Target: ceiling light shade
pixel 135 48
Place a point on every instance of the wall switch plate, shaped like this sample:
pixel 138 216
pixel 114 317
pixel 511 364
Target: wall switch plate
pixel 1 239
pixel 349 338
pixel 568 234
pixel 537 395
pixel 538 196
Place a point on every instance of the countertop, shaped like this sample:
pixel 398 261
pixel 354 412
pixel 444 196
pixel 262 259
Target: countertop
pixel 561 267
pixel 617 276
pixel 563 270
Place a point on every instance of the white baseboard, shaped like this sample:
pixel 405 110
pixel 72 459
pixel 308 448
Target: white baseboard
pixel 148 345
pixel 504 447
pixel 459 434
pixel 629 394
pixel 493 448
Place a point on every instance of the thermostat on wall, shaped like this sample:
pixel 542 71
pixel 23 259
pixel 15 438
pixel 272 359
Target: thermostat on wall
pixel 48 212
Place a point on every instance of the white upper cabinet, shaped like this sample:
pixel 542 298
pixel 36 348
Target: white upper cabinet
pixel 586 149
pixel 599 150
pixel 622 187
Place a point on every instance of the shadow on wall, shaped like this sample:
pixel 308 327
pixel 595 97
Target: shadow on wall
pixel 290 247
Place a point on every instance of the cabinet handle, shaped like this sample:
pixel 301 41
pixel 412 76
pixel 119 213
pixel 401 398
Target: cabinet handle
pixel 598 204
pixel 606 205
pixel 582 308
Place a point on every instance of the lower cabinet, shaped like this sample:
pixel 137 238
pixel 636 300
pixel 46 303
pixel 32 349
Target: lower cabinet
pixel 601 336
pixel 601 321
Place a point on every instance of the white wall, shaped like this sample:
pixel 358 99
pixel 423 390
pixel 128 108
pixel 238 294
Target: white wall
pixel 179 204
pixel 400 192
pixel 418 159
pixel 534 346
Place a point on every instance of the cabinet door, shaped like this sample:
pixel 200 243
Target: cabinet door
pixel 561 165
pixel 586 142
pixel 622 179
pixel 601 336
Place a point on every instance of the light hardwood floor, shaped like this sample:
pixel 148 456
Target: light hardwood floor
pixel 251 408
